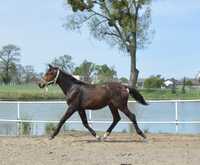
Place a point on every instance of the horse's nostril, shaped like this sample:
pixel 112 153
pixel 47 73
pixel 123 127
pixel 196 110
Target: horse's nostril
pixel 40 85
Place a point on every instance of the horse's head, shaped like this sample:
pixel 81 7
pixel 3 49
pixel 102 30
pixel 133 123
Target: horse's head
pixel 50 77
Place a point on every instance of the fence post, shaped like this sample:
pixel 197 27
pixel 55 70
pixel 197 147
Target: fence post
pixel 18 118
pixel 90 117
pixel 176 115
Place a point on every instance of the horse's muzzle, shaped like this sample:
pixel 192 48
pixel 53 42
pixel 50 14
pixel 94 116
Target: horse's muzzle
pixel 41 84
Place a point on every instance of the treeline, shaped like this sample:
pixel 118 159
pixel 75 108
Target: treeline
pixel 88 71
pixel 11 71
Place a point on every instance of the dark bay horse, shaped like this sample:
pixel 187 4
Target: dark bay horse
pixel 81 96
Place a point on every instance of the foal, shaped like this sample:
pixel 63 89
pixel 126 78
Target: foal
pixel 81 96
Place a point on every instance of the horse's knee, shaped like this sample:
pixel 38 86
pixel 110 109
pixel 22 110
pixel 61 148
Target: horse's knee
pixel 133 117
pixel 86 125
pixel 117 119
pixel 130 115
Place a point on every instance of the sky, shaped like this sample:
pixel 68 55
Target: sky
pixel 37 28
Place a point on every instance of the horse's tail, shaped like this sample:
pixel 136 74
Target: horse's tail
pixel 137 96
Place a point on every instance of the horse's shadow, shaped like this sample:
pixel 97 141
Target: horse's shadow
pixel 109 141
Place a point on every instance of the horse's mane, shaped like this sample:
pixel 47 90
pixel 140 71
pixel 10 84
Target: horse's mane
pixel 73 79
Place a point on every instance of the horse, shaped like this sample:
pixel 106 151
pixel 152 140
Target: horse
pixel 81 96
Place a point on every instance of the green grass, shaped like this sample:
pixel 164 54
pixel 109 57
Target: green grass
pixel 33 92
pixel 166 94
pixel 29 92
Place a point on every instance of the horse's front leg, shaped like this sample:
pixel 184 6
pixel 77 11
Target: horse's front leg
pixel 67 114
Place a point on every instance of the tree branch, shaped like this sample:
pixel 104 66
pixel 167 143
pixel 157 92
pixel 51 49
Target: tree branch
pixel 115 26
pixel 101 15
pixel 112 34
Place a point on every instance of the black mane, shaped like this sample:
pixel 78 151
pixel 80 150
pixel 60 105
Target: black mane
pixel 73 79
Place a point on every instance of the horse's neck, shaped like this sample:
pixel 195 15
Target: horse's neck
pixel 64 83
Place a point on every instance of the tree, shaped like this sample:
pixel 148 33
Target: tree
pixel 25 74
pixel 19 74
pixel 123 80
pixel 154 82
pixel 9 57
pixel 64 62
pixel 183 87
pixel 105 74
pixel 125 23
pixel 189 83
pixel 29 74
pixel 86 69
pixel 174 85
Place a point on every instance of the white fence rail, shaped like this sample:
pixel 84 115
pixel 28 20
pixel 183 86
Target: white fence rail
pixel 176 120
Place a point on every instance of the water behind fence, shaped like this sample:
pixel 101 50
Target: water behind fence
pixel 170 116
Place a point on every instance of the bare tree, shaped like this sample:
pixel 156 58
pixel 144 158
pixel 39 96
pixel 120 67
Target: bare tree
pixel 9 57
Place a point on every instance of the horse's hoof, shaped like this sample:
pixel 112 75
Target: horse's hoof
pixel 142 135
pixel 51 137
pixel 105 136
pixel 145 141
pixel 98 138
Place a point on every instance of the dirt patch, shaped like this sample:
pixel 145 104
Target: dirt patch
pixel 83 149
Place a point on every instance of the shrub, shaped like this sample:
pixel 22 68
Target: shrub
pixel 49 128
pixel 153 82
pixel 25 128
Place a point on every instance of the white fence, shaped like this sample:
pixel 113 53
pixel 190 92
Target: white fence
pixel 175 121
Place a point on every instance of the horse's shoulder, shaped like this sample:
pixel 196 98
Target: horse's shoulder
pixel 114 84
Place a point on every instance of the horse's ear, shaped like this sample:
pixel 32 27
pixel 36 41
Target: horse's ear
pixel 50 66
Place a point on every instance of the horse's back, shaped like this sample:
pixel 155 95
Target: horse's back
pixel 98 96
pixel 94 96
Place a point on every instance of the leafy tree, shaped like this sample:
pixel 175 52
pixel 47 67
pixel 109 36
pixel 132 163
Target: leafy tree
pixel 154 82
pixel 174 85
pixel 189 83
pixel 125 23
pixel 183 87
pixel 64 62
pixel 105 74
pixel 86 69
pixel 123 80
pixel 9 57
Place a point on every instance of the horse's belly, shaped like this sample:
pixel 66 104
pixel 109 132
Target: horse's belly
pixel 94 103
pixel 95 98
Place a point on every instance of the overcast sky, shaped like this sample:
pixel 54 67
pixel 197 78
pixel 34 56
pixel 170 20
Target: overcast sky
pixel 37 28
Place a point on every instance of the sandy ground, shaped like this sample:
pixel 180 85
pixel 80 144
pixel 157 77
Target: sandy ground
pixel 82 149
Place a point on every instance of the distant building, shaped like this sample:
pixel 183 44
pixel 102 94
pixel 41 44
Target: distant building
pixel 197 77
pixel 168 83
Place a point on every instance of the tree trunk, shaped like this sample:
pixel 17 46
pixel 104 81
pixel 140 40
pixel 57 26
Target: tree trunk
pixel 134 71
pixel 132 49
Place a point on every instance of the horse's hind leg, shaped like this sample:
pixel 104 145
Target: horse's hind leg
pixel 132 117
pixel 85 123
pixel 116 119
